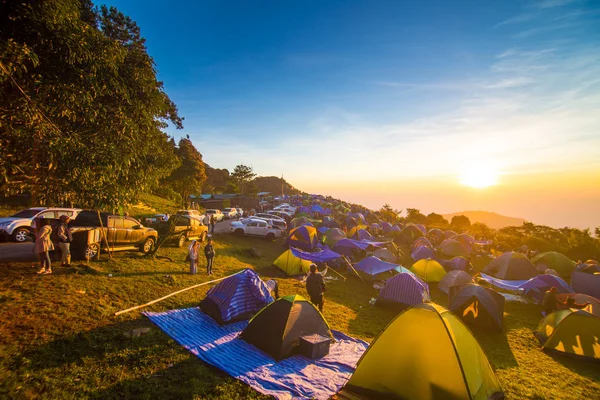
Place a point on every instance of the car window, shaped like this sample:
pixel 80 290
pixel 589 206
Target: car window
pixel 182 221
pixel 47 214
pixel 26 214
pixel 115 222
pixel 262 224
pixel 253 224
pixel 129 223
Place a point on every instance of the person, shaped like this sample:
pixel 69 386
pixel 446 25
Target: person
pixel 570 303
pixel 43 246
pixel 193 251
pixel 212 224
pixel 315 286
pixel 64 240
pixel 209 253
pixel 549 301
pixel 167 217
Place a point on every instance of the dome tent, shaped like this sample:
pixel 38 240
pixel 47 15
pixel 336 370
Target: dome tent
pixel 422 252
pixel 453 248
pixel 428 353
pixel 292 265
pixel 428 270
pixel 557 261
pixel 303 237
pixel 454 278
pixel 238 297
pixel 332 236
pixel 385 255
pixel 277 328
pixel 511 266
pixel 477 305
pixel 403 290
pixel 458 264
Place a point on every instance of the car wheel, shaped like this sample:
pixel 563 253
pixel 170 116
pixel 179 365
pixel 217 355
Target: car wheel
pixel 203 237
pixel 239 232
pixel 181 241
pixel 270 236
pixel 21 235
pixel 91 251
pixel 147 246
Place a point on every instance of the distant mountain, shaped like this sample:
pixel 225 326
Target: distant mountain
pixel 273 185
pixel 217 181
pixel 491 219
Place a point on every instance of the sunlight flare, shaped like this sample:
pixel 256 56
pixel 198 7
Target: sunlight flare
pixel 479 176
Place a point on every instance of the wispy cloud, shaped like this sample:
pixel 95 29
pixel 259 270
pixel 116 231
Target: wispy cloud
pixel 553 3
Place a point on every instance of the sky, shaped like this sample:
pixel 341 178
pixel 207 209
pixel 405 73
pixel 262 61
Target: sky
pixel 444 106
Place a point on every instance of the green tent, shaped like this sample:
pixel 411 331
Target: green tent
pixel 562 264
pixel 452 248
pixel 333 236
pixel 292 265
pixel 425 353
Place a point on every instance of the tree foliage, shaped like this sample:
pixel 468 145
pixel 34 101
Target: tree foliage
pixel 81 111
pixel 242 175
pixel 434 220
pixel 388 214
pixel 460 222
pixel 414 215
pixel 190 176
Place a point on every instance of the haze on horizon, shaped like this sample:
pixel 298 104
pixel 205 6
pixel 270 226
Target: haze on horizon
pixel 441 106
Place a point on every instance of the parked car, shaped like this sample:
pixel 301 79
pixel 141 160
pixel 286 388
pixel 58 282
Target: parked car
pixel 121 233
pixel 17 227
pixel 181 228
pixel 277 222
pixel 287 217
pixel 255 227
pixel 230 213
pixel 268 216
pixel 240 212
pixel 217 214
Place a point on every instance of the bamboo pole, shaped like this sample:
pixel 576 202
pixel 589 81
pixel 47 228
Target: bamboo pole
pixel 343 277
pixel 351 266
pixel 173 294
pixel 103 237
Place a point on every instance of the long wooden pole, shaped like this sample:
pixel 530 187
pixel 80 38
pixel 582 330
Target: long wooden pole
pixel 103 237
pixel 343 277
pixel 174 293
pixel 351 266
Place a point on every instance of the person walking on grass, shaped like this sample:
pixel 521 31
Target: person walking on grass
pixel 212 224
pixel 315 286
pixel 64 241
pixel 193 257
pixel 209 253
pixel 43 246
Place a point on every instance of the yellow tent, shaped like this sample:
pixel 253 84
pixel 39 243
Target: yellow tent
pixel 571 331
pixel 429 270
pixel 292 265
pixel 428 354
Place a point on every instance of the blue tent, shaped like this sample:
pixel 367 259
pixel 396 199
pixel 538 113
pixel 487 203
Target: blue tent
pixel 323 229
pixel 422 252
pixel 236 298
pixel 373 266
pixel 363 234
pixel 402 291
pixel 317 208
pixel 387 228
pixel 346 246
pixel 319 256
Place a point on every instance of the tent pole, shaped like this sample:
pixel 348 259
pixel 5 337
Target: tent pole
pixel 343 277
pixel 359 277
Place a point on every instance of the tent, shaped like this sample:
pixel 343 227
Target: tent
pixel 403 290
pixel 303 237
pixel 373 268
pixel 511 266
pixel 363 234
pixel 422 228
pixel 574 332
pixel 421 253
pixel 296 222
pixel 477 305
pixel 425 353
pixel 449 234
pixel 454 278
pixel 317 209
pixel 429 270
pixel 435 235
pixel 422 241
pixel 458 264
pixel 536 287
pixel 346 246
pixel 411 232
pixel 587 280
pixel 453 248
pixel 593 307
pixel 557 261
pixel 277 328
pixel 386 226
pixel 292 265
pixel 385 255
pixel 466 240
pixel 332 236
pixel 329 222
pixel 321 256
pixel 238 297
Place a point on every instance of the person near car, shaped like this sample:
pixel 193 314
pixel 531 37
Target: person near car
pixel 212 224
pixel 315 286
pixel 167 217
pixel 43 246
pixel 64 240
pixel 193 257
pixel 209 253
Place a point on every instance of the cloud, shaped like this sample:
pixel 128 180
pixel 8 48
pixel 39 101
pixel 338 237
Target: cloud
pixel 553 3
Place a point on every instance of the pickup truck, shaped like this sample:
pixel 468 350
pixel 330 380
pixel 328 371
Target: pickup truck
pixel 181 228
pixel 122 233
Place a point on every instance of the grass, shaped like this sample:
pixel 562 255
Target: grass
pixel 59 338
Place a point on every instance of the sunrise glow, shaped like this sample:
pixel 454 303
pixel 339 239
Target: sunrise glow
pixel 479 177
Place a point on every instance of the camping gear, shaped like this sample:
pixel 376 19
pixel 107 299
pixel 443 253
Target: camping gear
pixel 435 235
pixel 296 222
pixel 386 227
pixel 422 241
pixel 363 234
pixel 276 329
pixel 321 256
pixel 403 290
pixel 221 347
pixel 586 279
pixel 428 270
pixel 593 307
pixel 573 332
pixel 372 268
pixel 422 228
pixel 291 264
pixel 454 278
pixel 346 246
pixel 303 237
pixel 385 255
pixel 314 346
pixel 511 266
pixel 453 248
pixel 237 297
pixel 411 232
pixel 425 353
pixel 458 264
pixel 537 286
pixel 421 253
pixel 557 261
pixel 449 234
pixel 477 305
pixel 501 283
pixel 466 240
pixel 332 236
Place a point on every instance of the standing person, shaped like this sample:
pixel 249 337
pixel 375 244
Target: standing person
pixel 43 246
pixel 549 302
pixel 64 241
pixel 167 216
pixel 193 257
pixel 315 286
pixel 212 224
pixel 209 253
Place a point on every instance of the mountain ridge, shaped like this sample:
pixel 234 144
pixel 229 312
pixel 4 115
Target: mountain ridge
pixel 491 219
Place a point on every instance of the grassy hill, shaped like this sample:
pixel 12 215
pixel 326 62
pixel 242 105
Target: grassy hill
pixel 491 219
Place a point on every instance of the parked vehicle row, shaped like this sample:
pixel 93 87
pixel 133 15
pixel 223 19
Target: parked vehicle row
pixel 17 227
pixel 255 227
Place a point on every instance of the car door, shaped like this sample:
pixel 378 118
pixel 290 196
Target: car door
pixel 261 229
pixel 251 228
pixel 133 233
pixel 115 234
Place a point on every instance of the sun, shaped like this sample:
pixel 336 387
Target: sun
pixel 479 177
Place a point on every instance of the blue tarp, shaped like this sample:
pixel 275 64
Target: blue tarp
pixel 502 283
pixel 295 377
pixel 353 244
pixel 372 265
pixel 319 256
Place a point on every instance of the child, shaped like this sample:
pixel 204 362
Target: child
pixel 193 257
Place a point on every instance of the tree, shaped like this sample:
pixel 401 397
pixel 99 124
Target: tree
pixel 388 214
pixel 460 223
pixel 82 111
pixel 242 175
pixel 436 221
pixel 189 177
pixel 414 215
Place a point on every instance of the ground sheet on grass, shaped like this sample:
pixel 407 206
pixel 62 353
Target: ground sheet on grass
pixel 294 377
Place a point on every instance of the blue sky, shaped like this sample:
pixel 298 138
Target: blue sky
pixel 376 95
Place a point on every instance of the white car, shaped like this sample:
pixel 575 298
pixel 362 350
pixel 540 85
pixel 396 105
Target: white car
pixel 240 212
pixel 17 226
pixel 230 213
pixel 268 216
pixel 276 222
pixel 217 214
pixel 255 227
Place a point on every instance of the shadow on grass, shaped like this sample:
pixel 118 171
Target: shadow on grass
pixel 581 366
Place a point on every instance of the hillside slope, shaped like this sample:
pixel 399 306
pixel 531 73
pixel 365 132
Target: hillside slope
pixel 491 219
